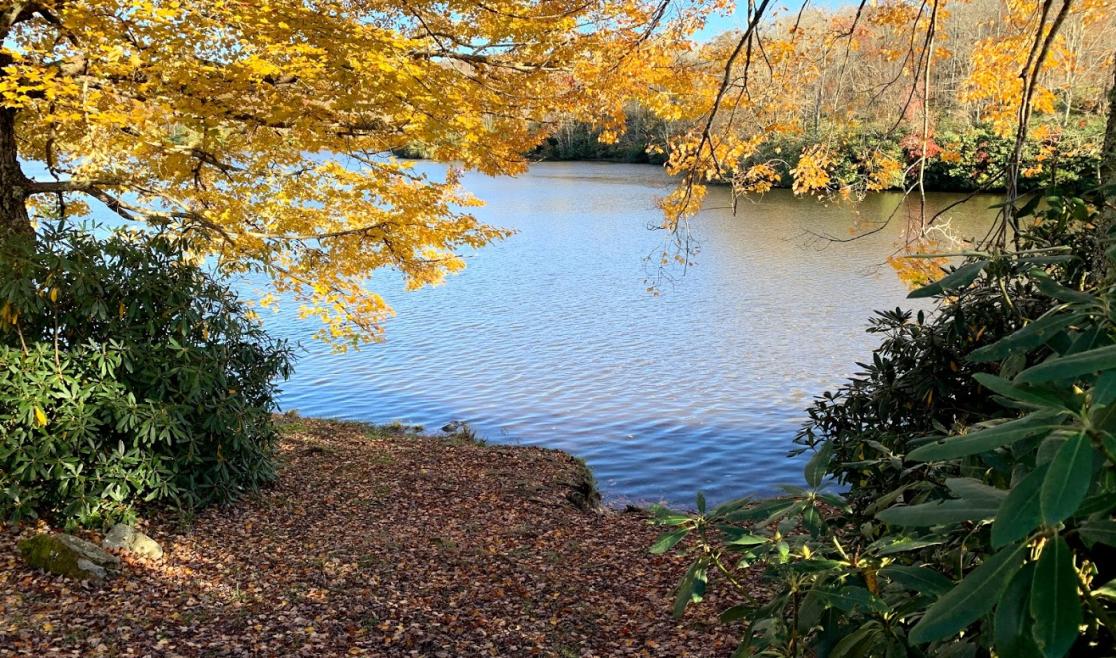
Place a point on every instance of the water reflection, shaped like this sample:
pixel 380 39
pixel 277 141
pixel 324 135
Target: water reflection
pixel 550 338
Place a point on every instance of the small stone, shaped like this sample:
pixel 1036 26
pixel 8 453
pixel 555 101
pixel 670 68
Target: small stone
pixel 68 556
pixel 127 538
pixel 119 536
pixel 96 572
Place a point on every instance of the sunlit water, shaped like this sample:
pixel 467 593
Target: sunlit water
pixel 550 337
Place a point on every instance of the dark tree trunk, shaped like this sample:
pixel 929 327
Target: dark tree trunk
pixel 13 189
pixel 1108 155
pixel 1108 183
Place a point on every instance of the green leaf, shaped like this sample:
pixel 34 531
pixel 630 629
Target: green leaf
pixel 664 516
pixel 834 500
pixel 692 587
pixel 1028 337
pixel 1100 503
pixel 700 503
pixel 938 513
pixel 1037 398
pixel 1104 391
pixel 1070 367
pixel 971 598
pixel 1013 365
pixel 1101 531
pixel 955 280
pixel 735 613
pixel 818 465
pixel 891 545
pixel 1067 480
pixel 1107 591
pixel 860 643
pixel 974 490
pixel 962 649
pixel 1055 606
pixel 1056 290
pixel 851 598
pixel 918 579
pixel 747 540
pixel 1021 512
pixel 815 565
pixel 1103 419
pixel 812 520
pixel 667 541
pixel 1029 208
pixel 980 441
pixel 1012 623
pixel 731 506
pixel 769 508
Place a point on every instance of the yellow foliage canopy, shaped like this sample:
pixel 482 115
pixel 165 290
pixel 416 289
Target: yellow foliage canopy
pixel 269 125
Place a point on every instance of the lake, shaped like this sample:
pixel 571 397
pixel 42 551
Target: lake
pixel 550 338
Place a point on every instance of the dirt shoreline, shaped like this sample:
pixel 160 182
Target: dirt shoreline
pixel 377 542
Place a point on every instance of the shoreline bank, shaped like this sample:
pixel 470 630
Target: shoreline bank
pixel 376 541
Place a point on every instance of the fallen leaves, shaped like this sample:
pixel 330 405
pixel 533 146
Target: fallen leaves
pixel 377 544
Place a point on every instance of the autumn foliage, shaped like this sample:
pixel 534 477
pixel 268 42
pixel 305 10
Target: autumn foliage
pixel 267 127
pixel 922 75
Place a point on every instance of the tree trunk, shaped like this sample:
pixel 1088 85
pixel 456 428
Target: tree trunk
pixel 1108 155
pixel 13 189
pixel 1108 186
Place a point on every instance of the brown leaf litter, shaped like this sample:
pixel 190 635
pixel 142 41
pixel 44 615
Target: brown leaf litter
pixel 377 543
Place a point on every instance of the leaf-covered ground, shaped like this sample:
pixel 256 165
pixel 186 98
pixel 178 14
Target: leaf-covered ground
pixel 377 543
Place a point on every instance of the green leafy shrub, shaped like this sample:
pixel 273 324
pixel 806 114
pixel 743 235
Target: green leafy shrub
pixel 974 158
pixel 980 462
pixel 127 374
pixel 920 380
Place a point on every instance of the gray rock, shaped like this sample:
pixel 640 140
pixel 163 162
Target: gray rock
pixel 95 571
pixel 127 538
pixel 68 556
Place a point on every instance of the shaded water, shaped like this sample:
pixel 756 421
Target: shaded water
pixel 550 338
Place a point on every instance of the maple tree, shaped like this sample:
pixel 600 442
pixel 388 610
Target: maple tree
pixel 268 127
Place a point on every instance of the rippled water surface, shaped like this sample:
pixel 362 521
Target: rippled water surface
pixel 550 338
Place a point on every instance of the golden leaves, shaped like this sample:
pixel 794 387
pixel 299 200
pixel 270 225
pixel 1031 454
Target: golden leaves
pixel 843 87
pixel 811 175
pixel 270 125
pixel 757 179
pixel 884 172
pixel 994 83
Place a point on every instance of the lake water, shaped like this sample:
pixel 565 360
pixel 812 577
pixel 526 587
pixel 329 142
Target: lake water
pixel 549 338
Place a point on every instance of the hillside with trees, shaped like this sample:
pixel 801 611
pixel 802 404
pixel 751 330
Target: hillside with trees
pixel 969 141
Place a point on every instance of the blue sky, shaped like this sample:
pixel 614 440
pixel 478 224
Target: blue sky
pixel 719 23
